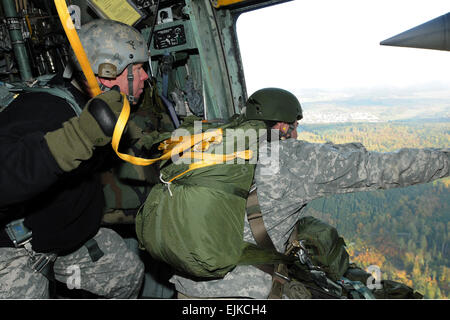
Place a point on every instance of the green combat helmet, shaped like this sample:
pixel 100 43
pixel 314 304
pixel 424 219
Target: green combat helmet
pixel 273 104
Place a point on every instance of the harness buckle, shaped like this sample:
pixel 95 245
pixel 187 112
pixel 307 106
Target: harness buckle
pixel 42 262
pixel 21 236
pixel 302 254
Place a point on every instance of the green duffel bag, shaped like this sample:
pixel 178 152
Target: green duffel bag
pixel 325 247
pixel 195 222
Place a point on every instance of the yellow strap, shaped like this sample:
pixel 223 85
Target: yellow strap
pixel 201 141
pixel 173 146
pixel 118 130
pixel 212 159
pixel 177 146
pixel 27 19
pixel 117 134
pixel 224 3
pixel 77 47
pixel 217 158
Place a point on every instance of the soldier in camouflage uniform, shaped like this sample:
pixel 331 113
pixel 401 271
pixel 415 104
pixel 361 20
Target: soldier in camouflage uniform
pixel 303 172
pixel 126 187
pixel 51 202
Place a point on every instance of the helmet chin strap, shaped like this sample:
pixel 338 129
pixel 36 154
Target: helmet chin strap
pixel 103 87
pixel 130 78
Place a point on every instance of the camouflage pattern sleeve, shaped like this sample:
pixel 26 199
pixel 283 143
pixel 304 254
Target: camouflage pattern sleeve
pixel 330 168
pixel 291 173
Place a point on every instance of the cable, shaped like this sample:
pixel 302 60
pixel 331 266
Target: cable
pixel 155 18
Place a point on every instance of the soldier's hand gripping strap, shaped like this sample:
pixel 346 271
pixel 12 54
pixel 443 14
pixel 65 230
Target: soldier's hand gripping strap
pixel 75 141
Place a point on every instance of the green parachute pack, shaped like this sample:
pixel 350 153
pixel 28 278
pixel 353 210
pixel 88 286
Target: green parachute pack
pixel 194 219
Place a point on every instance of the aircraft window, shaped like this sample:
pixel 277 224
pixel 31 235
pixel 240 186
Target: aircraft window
pixel 328 53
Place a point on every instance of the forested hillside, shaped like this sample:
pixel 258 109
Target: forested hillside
pixel 403 231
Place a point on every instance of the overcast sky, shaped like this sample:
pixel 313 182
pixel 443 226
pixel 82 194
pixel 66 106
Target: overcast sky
pixel 334 45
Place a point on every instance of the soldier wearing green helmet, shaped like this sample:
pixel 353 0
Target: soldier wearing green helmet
pixel 273 104
pixel 279 108
pixel 289 174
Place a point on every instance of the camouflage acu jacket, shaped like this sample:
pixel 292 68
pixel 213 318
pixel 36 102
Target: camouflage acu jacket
pixel 298 172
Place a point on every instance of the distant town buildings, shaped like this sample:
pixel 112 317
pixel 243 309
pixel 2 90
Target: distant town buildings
pixel 338 117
